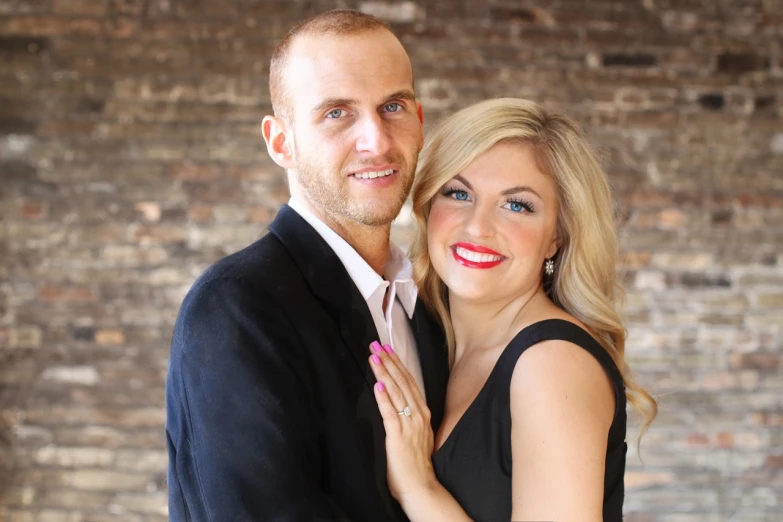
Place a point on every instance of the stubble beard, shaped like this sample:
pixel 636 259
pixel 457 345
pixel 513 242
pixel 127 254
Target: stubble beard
pixel 330 192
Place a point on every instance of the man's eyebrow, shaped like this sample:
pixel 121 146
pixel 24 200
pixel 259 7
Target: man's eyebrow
pixel 332 102
pixel 406 95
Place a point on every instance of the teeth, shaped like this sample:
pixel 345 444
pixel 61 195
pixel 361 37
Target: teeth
pixel 476 257
pixel 374 174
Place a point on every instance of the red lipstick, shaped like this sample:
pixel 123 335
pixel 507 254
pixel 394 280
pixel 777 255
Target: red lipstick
pixel 478 249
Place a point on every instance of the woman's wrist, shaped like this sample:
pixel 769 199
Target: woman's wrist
pixel 423 497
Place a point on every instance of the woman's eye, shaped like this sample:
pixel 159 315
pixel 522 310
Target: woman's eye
pixel 518 206
pixel 461 195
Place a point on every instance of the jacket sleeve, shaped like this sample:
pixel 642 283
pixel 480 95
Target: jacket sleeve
pixel 240 434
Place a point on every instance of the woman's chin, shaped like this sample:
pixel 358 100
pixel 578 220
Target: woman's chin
pixel 470 294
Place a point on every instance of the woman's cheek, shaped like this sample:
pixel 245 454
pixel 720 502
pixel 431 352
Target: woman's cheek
pixel 438 229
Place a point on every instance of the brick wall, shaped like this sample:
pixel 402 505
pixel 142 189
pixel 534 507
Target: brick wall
pixel 131 158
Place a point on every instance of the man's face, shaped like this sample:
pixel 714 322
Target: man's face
pixel 355 124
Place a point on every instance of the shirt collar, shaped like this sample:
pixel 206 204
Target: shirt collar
pixel 398 268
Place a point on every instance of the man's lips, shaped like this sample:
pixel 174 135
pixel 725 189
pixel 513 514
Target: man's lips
pixel 375 171
pixel 476 256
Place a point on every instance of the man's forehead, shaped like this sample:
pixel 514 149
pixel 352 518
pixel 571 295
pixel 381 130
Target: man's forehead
pixel 334 66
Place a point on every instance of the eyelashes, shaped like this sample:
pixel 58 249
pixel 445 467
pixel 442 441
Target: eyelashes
pixel 452 192
pixel 514 204
pixel 517 205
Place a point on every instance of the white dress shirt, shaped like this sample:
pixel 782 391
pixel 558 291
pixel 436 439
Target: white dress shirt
pixel 393 326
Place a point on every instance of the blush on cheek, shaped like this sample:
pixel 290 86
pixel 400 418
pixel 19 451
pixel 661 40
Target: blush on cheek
pixel 442 231
pixel 438 225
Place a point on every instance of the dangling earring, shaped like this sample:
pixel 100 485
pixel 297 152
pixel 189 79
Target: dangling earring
pixel 549 267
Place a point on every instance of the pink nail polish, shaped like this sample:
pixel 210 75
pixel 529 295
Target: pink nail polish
pixel 376 359
pixel 376 346
pixel 381 387
pixel 388 348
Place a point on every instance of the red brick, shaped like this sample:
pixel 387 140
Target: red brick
pixel 193 172
pixel 122 27
pixel 724 440
pixel 158 234
pixel 66 294
pixel 767 418
pixel 50 26
pixel 80 7
pixel 32 210
pixel 773 461
pixel 109 337
pixel 671 218
pixel 200 213
pixel 698 440
pixel 758 360
pixel 650 198
pixel 635 260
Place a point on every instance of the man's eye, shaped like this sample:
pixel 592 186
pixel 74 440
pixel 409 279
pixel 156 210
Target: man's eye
pixel 335 113
pixel 392 107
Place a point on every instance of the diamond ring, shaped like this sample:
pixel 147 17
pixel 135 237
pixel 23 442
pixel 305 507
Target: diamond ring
pixel 405 411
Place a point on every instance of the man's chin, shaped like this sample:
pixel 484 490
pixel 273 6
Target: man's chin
pixel 378 215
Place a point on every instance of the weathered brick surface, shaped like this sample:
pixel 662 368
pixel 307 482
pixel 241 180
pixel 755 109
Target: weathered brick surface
pixel 131 158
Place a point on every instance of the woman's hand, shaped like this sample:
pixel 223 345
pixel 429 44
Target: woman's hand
pixel 409 437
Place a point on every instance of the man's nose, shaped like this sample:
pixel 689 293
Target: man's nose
pixel 374 136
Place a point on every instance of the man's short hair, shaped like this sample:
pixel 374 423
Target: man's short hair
pixel 338 22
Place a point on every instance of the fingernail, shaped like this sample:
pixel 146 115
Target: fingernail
pixel 381 387
pixel 376 346
pixel 376 359
pixel 388 348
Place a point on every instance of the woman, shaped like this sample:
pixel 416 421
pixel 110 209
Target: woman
pixel 516 253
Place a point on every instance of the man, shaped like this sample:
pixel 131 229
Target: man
pixel 270 407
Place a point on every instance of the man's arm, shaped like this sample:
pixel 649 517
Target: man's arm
pixel 242 446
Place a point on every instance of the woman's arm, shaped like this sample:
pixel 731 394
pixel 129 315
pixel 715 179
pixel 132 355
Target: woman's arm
pixel 432 504
pixel 562 405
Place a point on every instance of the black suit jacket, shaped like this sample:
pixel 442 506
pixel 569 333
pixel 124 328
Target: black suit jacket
pixel 269 401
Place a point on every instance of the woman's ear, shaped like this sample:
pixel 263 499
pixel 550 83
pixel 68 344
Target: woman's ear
pixel 279 141
pixel 554 246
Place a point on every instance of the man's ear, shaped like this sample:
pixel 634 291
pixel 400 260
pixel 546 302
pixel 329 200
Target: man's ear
pixel 279 141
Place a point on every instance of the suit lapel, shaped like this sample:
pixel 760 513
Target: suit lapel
pixel 331 283
pixel 431 344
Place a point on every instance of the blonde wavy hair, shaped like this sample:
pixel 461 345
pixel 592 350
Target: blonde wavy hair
pixel 584 283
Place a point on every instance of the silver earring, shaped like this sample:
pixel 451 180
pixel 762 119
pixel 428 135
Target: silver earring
pixel 549 267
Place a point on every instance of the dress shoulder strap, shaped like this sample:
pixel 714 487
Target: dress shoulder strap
pixel 560 330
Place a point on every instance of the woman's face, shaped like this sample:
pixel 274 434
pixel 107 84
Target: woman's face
pixel 492 226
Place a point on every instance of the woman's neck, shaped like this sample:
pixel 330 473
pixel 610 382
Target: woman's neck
pixel 487 325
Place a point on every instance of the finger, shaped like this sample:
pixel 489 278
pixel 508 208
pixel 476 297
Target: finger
pixel 398 399
pixel 385 406
pixel 375 347
pixel 403 379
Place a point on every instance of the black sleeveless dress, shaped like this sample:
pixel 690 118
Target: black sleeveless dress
pixel 474 463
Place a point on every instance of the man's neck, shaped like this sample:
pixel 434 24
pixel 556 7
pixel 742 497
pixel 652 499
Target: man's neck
pixel 370 242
